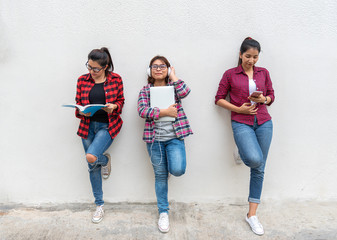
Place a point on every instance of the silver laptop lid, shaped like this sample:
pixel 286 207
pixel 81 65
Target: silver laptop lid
pixel 162 97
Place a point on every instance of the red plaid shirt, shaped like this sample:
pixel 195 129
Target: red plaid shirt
pixel 113 87
pixel 235 82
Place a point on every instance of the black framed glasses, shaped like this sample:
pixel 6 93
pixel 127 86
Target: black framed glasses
pixel 96 70
pixel 161 66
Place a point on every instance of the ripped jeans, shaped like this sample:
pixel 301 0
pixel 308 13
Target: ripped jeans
pixel 98 141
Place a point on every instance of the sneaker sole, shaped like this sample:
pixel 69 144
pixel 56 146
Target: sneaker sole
pixel 94 221
pixel 105 176
pixel 164 231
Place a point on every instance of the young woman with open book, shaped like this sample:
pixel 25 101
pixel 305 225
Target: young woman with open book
pixel 100 86
pixel 164 139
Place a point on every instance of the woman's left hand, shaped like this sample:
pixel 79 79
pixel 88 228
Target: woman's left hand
pixel 173 76
pixel 110 107
pixel 259 99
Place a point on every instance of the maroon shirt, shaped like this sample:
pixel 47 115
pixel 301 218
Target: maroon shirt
pixel 113 87
pixel 235 82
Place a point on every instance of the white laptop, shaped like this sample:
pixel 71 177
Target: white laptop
pixel 162 97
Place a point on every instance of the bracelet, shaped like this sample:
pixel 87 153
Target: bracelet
pixel 265 102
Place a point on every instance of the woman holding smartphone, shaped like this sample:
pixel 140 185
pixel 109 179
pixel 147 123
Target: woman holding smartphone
pixel 164 140
pixel 250 91
pixel 100 86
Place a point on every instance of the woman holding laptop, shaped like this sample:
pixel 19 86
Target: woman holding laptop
pixel 164 139
pixel 250 90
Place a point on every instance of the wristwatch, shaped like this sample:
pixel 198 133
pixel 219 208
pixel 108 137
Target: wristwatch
pixel 265 102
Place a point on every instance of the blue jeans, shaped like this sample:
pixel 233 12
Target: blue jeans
pixel 98 141
pixel 166 157
pixel 253 143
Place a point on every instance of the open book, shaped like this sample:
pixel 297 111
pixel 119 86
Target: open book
pixel 90 108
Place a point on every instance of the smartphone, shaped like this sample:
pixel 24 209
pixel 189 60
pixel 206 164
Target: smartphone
pixel 256 94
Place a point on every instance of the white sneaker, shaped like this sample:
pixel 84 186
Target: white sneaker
pixel 106 170
pixel 236 155
pixel 98 214
pixel 255 225
pixel 163 223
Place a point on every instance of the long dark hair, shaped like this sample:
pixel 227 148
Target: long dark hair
pixel 247 44
pixel 102 57
pixel 162 58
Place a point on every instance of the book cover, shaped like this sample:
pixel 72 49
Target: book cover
pixel 90 108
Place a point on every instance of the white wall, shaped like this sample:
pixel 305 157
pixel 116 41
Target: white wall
pixel 43 49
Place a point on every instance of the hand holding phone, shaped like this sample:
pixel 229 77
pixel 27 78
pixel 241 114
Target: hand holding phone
pixel 256 94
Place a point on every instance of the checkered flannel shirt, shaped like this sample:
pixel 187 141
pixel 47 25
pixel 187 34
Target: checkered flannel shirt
pixel 113 87
pixel 181 125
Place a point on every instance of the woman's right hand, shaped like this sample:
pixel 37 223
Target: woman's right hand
pixel 84 114
pixel 171 111
pixel 248 108
pixel 173 76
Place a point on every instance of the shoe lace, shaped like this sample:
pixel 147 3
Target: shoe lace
pixel 256 222
pixel 98 212
pixel 163 219
pixel 105 169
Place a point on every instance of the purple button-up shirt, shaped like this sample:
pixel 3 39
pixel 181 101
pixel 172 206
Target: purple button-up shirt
pixel 235 82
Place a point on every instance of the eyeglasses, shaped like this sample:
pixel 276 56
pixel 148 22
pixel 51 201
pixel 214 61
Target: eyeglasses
pixel 96 70
pixel 161 66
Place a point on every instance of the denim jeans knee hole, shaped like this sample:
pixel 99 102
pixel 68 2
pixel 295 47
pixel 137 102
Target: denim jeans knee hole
pixel 91 158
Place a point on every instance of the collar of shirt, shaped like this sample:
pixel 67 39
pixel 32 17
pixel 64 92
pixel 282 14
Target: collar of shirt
pixel 109 77
pixel 239 69
pixel 167 84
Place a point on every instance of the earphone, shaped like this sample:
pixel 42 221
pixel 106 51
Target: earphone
pixel 161 156
pixel 148 71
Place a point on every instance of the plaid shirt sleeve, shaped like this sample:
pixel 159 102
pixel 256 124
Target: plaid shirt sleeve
pixel 269 88
pixel 78 99
pixel 223 88
pixel 181 125
pixel 182 90
pixel 144 109
pixel 120 97
pixel 114 94
pixel 82 92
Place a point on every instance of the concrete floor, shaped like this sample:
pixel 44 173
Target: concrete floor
pixel 293 220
